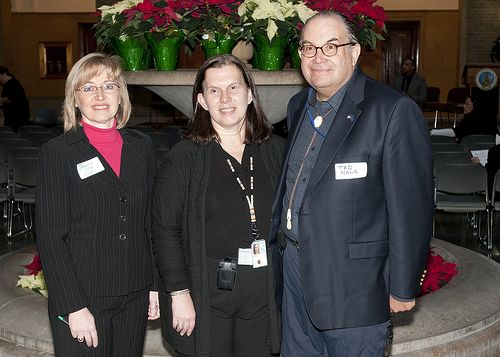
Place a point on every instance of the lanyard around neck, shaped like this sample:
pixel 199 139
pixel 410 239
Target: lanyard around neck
pixel 249 198
pixel 311 118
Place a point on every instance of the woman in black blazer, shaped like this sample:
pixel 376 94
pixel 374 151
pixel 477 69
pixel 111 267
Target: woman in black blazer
pixel 93 225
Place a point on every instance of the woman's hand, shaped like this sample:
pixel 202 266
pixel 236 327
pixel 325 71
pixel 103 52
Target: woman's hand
pixel 154 306
pixel 82 326
pixel 183 314
pixel 474 160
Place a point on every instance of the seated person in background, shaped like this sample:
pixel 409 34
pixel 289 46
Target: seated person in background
pixel 476 121
pixel 493 163
pixel 411 84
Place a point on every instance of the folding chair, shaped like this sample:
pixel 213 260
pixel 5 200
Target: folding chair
pixel 463 188
pixel 495 206
pixel 470 140
pixel 46 117
pixel 446 147
pixel 22 131
pixel 23 191
pixel 440 139
pixel 446 158
pixel 160 139
pixel 5 195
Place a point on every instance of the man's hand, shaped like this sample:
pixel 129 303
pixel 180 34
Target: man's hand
pixel 399 306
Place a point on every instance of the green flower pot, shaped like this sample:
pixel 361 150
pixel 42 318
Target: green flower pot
pixel 294 54
pixel 135 57
pixel 165 52
pixel 216 46
pixel 269 58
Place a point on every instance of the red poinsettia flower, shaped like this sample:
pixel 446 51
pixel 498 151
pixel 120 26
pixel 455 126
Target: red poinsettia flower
pixel 35 266
pixel 438 273
pixel 335 5
pixel 160 14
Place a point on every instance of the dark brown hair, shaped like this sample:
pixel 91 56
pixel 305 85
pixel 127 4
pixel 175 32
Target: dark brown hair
pixel 200 128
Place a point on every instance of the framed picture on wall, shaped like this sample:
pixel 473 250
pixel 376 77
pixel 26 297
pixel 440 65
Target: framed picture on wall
pixel 56 59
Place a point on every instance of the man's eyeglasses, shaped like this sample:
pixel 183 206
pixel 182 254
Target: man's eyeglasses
pixel 89 90
pixel 328 49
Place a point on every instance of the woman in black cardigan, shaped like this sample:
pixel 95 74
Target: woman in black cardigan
pixel 93 222
pixel 211 205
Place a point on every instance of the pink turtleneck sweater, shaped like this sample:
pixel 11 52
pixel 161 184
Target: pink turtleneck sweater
pixel 108 142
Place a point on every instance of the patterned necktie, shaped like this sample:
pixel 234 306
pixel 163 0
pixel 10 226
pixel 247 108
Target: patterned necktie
pixel 406 82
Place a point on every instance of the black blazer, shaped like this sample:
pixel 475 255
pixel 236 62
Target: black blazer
pixel 94 233
pixel 361 237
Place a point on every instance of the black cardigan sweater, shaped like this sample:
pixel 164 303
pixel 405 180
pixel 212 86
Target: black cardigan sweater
pixel 178 232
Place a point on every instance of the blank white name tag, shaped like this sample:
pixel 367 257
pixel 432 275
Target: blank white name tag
pixel 351 170
pixel 89 168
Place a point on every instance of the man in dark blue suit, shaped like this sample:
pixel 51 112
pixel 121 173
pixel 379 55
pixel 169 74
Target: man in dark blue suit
pixel 352 213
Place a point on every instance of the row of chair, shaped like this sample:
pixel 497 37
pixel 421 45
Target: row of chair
pixel 17 182
pixel 454 103
pixel 27 136
pixel 468 143
pixel 165 138
pixel 18 167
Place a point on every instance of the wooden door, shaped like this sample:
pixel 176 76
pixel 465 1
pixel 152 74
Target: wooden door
pixel 402 41
pixel 88 43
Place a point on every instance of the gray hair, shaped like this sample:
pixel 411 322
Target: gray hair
pixel 349 25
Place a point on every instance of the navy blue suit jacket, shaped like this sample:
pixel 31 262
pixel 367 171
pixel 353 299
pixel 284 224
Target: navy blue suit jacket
pixel 362 238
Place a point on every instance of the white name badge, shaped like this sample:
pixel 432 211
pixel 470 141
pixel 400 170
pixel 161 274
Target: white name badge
pixel 245 256
pixel 351 170
pixel 89 168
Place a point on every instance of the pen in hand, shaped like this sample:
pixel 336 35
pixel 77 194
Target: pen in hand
pixel 63 320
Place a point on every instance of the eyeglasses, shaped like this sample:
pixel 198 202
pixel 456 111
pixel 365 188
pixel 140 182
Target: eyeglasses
pixel 328 49
pixel 89 90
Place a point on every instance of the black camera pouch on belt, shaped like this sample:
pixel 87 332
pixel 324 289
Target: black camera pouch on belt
pixel 226 274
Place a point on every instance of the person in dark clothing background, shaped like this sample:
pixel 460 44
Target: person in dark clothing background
pixel 13 100
pixel 477 121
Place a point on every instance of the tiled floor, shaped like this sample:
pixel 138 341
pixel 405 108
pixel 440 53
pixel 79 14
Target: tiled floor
pixel 449 227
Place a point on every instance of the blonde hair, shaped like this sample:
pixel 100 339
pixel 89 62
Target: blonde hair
pixel 82 72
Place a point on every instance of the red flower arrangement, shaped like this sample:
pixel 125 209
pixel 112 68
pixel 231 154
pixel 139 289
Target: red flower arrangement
pixel 212 20
pixel 365 15
pixel 34 280
pixel 437 273
pixel 163 16
pixel 35 266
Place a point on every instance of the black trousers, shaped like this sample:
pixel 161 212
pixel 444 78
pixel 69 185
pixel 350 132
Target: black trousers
pixel 239 317
pixel 120 322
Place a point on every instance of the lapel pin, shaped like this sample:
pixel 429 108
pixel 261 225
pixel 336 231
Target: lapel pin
pixel 350 117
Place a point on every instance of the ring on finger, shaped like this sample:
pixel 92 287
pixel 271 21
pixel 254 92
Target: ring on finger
pixel 80 339
pixel 180 325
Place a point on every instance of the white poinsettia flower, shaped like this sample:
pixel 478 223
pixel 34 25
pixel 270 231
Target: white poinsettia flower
pixel 304 12
pixel 26 281
pixel 242 9
pixel 117 8
pixel 271 29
